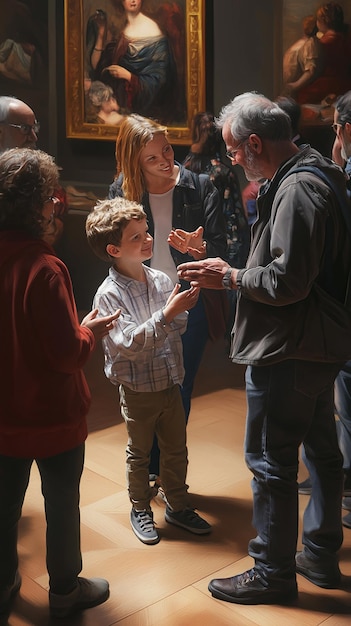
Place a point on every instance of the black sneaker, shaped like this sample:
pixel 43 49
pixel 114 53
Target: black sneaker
pixel 324 573
pixel 305 488
pixel 188 519
pixel 144 526
pixel 249 588
pixel 346 520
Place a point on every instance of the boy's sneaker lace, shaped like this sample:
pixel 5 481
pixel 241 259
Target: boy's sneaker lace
pixel 188 519
pixel 143 526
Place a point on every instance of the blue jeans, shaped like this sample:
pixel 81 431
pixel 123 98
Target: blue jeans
pixel 60 479
pixel 194 342
pixel 288 403
pixel 342 399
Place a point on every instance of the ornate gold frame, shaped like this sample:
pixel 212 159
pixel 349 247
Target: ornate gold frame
pixel 78 128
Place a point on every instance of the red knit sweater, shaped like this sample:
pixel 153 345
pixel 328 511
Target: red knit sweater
pixel 44 397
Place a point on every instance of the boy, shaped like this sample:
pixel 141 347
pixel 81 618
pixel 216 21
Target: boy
pixel 143 355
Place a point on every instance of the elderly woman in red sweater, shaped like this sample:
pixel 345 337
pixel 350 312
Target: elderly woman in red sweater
pixel 44 395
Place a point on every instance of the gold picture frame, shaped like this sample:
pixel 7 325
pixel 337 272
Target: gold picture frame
pixel 76 18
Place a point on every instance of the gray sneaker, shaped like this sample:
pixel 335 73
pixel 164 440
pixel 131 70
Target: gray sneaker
pixel 143 526
pixel 88 593
pixel 324 573
pixel 188 519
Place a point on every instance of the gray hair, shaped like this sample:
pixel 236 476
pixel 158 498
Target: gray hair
pixel 252 113
pixel 343 107
pixel 5 103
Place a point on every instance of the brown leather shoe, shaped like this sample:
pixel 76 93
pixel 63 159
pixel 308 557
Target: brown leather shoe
pixel 249 588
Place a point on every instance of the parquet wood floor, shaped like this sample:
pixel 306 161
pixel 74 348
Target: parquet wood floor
pixel 166 584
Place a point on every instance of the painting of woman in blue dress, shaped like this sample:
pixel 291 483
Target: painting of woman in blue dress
pixel 143 60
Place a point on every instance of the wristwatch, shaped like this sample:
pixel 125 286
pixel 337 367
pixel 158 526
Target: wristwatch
pixel 227 279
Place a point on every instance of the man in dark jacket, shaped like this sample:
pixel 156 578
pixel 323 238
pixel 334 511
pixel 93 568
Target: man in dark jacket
pixel 282 333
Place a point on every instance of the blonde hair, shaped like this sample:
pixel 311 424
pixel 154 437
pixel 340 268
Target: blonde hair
pixel 135 132
pixel 107 221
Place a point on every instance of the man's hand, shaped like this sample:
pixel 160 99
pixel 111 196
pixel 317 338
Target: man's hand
pixel 191 243
pixel 100 326
pixel 207 273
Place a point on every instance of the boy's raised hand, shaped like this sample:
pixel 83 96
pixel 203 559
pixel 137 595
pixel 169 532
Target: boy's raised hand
pixel 180 301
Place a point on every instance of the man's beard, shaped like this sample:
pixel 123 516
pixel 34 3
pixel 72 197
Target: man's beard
pixel 251 171
pixel 345 148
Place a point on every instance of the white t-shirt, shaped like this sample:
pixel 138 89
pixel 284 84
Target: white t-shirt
pixel 161 205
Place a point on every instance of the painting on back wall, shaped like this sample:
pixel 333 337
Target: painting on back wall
pixel 133 56
pixel 316 66
pixel 24 58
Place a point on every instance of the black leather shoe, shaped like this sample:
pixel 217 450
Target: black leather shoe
pixel 248 588
pixel 321 572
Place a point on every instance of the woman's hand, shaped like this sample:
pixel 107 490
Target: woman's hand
pixel 100 326
pixel 117 71
pixel 188 243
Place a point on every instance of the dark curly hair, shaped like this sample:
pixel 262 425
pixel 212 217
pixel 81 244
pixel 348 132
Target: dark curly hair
pixel 27 179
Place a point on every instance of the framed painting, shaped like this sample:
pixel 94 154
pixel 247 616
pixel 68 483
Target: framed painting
pixel 316 63
pixel 133 56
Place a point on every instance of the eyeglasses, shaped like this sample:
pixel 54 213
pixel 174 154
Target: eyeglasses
pixel 335 127
pixel 25 129
pixel 232 153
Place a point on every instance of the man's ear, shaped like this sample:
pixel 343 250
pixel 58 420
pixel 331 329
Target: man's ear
pixel 347 129
pixel 255 143
pixel 113 250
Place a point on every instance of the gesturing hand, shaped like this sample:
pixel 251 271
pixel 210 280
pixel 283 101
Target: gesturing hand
pixel 207 273
pixel 188 243
pixel 100 326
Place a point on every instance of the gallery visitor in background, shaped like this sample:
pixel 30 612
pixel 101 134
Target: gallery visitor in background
pixel 205 157
pixel 19 128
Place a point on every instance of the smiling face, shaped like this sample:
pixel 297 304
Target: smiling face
pixel 157 162
pixel 136 243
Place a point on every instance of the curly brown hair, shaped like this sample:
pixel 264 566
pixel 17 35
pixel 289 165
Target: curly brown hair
pixel 106 222
pixel 27 180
